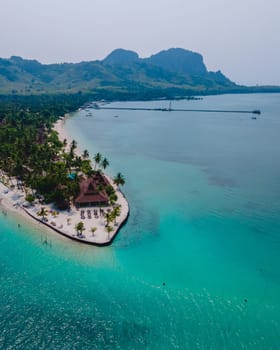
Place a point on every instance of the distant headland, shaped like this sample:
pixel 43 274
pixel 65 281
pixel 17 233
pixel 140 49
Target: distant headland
pixel 122 75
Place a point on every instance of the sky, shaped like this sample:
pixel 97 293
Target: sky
pixel 239 37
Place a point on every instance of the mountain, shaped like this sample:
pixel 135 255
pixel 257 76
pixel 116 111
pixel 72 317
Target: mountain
pixel 120 75
pixel 179 61
pixel 121 56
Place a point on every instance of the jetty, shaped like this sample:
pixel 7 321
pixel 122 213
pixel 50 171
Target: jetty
pixel 255 111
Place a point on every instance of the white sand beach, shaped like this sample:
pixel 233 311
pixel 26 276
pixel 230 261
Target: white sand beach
pixel 64 222
pixel 60 129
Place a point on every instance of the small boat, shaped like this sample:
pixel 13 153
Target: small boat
pixel 254 117
pixel 116 116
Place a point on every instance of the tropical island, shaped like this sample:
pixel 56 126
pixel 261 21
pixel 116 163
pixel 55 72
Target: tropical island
pixel 43 175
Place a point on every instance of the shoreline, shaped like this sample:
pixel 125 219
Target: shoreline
pixel 63 222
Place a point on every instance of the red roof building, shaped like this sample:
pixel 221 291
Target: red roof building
pixel 92 192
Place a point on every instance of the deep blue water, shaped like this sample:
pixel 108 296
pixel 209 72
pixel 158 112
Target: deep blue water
pixel 197 264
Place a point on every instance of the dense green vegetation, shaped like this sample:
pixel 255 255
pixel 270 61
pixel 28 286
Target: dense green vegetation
pixel 49 106
pixel 122 75
pixel 32 153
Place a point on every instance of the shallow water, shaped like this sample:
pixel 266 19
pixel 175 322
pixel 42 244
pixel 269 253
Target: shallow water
pixel 197 264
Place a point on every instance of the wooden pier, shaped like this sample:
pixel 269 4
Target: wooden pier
pixel 256 111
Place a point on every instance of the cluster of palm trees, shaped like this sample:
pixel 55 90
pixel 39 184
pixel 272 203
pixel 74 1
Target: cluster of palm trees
pixel 110 217
pixel 32 153
pixel 100 162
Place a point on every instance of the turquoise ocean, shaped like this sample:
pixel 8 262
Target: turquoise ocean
pixel 197 266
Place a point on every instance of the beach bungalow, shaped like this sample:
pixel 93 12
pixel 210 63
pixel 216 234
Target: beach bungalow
pixel 92 192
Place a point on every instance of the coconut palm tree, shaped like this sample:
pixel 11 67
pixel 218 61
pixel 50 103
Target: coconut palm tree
pixel 80 227
pixel 119 179
pixel 109 218
pixel 97 158
pixel 43 212
pixel 113 198
pixel 104 163
pixel 85 154
pixel 73 145
pixel 64 143
pixel 116 212
pixel 93 229
pixel 109 229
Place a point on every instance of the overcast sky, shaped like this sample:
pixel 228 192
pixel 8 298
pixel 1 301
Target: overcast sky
pixel 239 37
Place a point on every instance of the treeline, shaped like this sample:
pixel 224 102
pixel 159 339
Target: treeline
pixel 45 105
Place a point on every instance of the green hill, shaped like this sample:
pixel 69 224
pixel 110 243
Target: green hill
pixel 122 74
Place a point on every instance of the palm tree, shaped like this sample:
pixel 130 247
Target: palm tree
pixel 113 198
pixel 97 158
pixel 109 218
pixel 109 229
pixel 43 212
pixel 104 163
pixel 119 179
pixel 73 145
pixel 85 154
pixel 93 229
pixel 116 212
pixel 64 143
pixel 80 227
